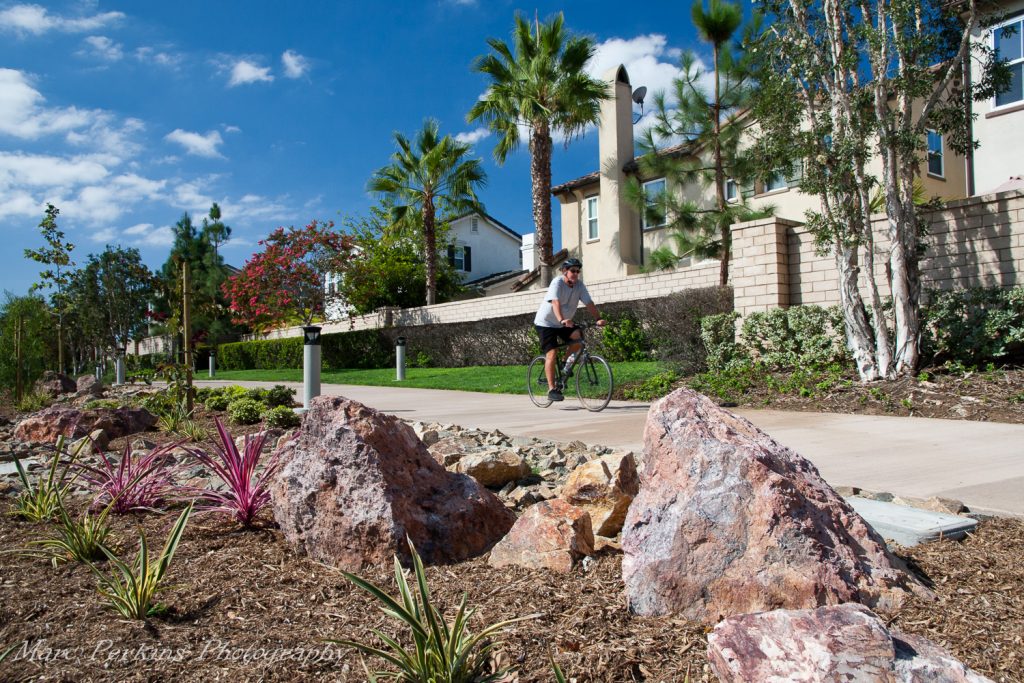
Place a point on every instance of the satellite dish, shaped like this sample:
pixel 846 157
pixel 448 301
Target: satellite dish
pixel 639 94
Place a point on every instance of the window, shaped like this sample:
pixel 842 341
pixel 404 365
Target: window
pixel 731 191
pixel 654 198
pixel 592 229
pixel 459 258
pixel 776 181
pixel 935 153
pixel 476 225
pixel 1009 44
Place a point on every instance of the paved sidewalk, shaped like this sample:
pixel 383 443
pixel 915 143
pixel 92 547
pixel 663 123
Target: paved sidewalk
pixel 980 463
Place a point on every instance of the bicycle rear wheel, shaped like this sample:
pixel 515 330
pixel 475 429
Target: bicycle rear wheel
pixel 537 383
pixel 594 383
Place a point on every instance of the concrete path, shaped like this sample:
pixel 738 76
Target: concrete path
pixel 979 463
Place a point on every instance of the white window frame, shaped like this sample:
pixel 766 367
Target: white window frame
pixel 459 257
pixel 734 195
pixel 777 176
pixel 648 201
pixel 1019 35
pixel 593 217
pixel 933 154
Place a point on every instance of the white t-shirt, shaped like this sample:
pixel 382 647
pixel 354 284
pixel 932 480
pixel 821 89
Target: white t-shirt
pixel 568 297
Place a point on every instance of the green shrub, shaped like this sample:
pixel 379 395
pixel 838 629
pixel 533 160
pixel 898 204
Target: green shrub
pixel 217 401
pixel 279 395
pixel 731 383
pixel 651 388
pixel 98 403
pixel 282 417
pixel 245 411
pixel 256 394
pixel 718 333
pixel 624 340
pixel 799 336
pixel 33 401
pixel 973 326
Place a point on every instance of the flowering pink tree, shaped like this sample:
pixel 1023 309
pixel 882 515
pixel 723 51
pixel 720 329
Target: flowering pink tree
pixel 285 282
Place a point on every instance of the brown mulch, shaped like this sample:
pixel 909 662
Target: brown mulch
pixel 996 396
pixel 241 606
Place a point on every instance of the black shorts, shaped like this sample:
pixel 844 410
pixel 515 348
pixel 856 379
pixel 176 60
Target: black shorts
pixel 552 337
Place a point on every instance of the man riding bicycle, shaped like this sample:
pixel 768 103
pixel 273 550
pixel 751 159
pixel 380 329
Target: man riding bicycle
pixel 554 319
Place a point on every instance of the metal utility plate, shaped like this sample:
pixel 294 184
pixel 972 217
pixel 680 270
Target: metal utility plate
pixel 909 526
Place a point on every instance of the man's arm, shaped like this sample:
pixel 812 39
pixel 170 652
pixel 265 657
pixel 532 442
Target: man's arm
pixel 556 306
pixel 597 314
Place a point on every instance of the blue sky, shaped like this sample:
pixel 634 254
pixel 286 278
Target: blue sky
pixel 127 114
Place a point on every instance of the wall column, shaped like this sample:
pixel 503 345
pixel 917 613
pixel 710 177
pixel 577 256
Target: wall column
pixel 759 271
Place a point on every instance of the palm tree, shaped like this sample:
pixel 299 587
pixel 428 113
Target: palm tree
pixel 429 177
pixel 538 84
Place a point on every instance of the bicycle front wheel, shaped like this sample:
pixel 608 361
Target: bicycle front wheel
pixel 594 383
pixel 537 383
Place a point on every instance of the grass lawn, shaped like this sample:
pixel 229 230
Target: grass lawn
pixel 506 379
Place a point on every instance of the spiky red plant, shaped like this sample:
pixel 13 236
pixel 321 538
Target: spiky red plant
pixel 133 483
pixel 246 487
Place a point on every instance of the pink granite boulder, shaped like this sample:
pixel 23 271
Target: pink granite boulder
pixel 837 643
pixel 354 483
pixel 728 521
pixel 53 384
pixel 49 423
pixel 552 535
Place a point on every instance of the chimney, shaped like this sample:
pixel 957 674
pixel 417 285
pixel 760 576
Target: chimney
pixel 528 252
pixel 615 148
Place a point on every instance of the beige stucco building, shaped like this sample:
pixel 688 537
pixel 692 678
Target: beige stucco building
pixel 999 126
pixel 599 226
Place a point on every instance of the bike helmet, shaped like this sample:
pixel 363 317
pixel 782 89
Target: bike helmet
pixel 572 263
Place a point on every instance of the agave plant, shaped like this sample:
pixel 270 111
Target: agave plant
pixel 442 652
pixel 133 483
pixel 130 587
pixel 42 500
pixel 246 487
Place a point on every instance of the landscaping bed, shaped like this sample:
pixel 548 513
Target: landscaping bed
pixel 242 606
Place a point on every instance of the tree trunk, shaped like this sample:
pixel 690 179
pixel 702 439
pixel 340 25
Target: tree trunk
pixel 723 272
pixel 540 175
pixel 430 249
pixel 858 331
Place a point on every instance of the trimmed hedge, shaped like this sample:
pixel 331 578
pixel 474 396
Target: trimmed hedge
pixel 666 328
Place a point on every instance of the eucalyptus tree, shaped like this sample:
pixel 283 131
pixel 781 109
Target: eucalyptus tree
pixel 539 84
pixel 845 81
pixel 57 254
pixel 428 177
pixel 710 120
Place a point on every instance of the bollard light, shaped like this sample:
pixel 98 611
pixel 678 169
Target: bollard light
pixel 213 366
pixel 400 359
pixel 119 370
pixel 310 365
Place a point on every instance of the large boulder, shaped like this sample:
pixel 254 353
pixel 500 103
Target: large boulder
pixel 494 468
pixel 355 483
pixel 49 423
pixel 53 384
pixel 604 487
pixel 837 643
pixel 728 521
pixel 88 385
pixel 553 535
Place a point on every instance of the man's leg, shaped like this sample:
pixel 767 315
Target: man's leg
pixel 550 358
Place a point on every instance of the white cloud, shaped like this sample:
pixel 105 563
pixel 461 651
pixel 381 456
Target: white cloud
pixel 103 48
pixel 232 129
pixel 23 116
pixel 37 20
pixel 145 234
pixel 644 58
pixel 105 235
pixel 152 55
pixel 472 137
pixel 295 65
pixel 197 144
pixel 29 170
pixel 244 72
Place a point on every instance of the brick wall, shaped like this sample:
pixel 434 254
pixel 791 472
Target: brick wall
pixel 972 242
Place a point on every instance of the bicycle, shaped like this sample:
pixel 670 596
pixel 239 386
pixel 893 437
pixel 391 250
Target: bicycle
pixel 594 381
